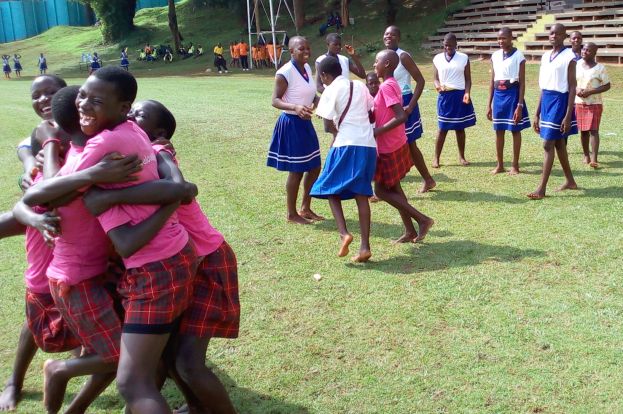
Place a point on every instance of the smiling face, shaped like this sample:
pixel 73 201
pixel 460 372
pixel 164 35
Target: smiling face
pixel 391 38
pixel 449 46
pixel 100 107
pixel 373 83
pixel 334 47
pixel 505 40
pixel 144 114
pixel 41 93
pixel 588 52
pixel 576 40
pixel 557 35
pixel 300 51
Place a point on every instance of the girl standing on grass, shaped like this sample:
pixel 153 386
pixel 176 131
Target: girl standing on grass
pixel 349 169
pixel 294 146
pixel 96 63
pixel 453 81
pixel 125 62
pixel 6 67
pixel 17 65
pixel 507 108
pixel 43 64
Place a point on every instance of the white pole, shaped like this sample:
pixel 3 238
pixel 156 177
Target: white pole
pixel 249 29
pixel 272 28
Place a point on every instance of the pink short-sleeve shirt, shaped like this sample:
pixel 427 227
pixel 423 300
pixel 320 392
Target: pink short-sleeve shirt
pixel 389 95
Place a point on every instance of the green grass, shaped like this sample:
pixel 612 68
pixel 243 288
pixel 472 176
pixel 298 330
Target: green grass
pixel 509 306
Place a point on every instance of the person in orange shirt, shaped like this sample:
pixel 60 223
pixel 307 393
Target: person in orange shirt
pixel 236 56
pixel 271 53
pixel 243 48
pixel 263 55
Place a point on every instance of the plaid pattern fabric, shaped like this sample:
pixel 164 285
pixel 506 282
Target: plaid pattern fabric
pixel 215 308
pixel 392 167
pixel 88 309
pixel 156 294
pixel 49 330
pixel 588 116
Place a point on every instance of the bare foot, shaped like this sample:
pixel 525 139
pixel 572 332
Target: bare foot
pixel 296 219
pixel 536 195
pixel 427 185
pixel 594 164
pixel 463 162
pixel 310 215
pixel 362 257
pixel 406 238
pixel 514 171
pixel 586 159
pixel 182 410
pixel 54 385
pixel 347 239
pixel 497 170
pixel 424 228
pixel 374 199
pixel 9 398
pixel 435 163
pixel 568 186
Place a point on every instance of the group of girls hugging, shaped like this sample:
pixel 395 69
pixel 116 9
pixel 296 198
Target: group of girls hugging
pixel 124 269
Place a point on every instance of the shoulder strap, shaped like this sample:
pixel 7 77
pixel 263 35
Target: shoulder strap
pixel 350 98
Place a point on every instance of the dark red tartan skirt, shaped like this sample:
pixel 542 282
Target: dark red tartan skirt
pixel 393 167
pixel 215 307
pixel 89 310
pixel 588 116
pixel 156 294
pixel 49 330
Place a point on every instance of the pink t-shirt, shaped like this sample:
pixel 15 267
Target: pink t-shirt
pixel 38 256
pixel 81 252
pixel 389 95
pixel 206 238
pixel 127 139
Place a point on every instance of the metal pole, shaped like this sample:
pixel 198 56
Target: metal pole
pixel 272 28
pixel 249 30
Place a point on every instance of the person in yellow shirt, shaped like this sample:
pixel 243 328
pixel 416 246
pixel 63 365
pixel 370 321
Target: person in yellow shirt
pixel 219 60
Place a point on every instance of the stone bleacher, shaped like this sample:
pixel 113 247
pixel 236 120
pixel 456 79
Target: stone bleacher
pixel 476 26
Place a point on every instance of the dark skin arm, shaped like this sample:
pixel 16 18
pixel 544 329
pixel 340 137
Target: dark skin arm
pixel 9 226
pixel 51 160
pixel 468 83
pixel 585 93
pixel 24 153
pixel 572 83
pixel 537 115
pixel 355 65
pixel 522 92
pixel 319 85
pixel 416 74
pixel 400 116
pixel 490 102
pixel 329 127
pixel 281 85
pixel 47 223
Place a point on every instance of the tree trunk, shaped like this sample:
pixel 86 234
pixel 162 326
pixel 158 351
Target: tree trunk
pixel 175 30
pixel 116 17
pixel 344 11
pixel 299 14
pixel 390 12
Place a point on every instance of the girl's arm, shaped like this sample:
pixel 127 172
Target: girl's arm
pixel 24 153
pixel 400 116
pixel 281 85
pixel 571 84
pixel 490 102
pixel 436 81
pixel 522 93
pixel 319 85
pixel 599 89
pixel 355 65
pixel 537 115
pixel 416 74
pixel 329 126
pixel 10 226
pixel 468 83
pixel 51 159
pixel 47 223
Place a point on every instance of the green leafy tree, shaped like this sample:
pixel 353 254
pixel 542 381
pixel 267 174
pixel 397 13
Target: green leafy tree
pixel 116 17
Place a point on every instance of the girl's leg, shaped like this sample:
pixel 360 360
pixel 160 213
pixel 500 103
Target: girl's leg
pixel 548 162
pixel 336 209
pixel 308 181
pixel 363 208
pixel 561 150
pixel 441 139
pixel 460 142
pixel 292 191
pixel 516 150
pixel 94 386
pixel 420 164
pixel 26 350
pixel 499 151
pixel 584 138
pixel 595 148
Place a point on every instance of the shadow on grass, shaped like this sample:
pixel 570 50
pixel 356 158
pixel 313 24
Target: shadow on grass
pixel 605 192
pixel 476 197
pixel 449 254
pixel 414 176
pixel 377 229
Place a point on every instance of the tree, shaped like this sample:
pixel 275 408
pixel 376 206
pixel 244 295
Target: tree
pixel 116 17
pixel 390 12
pixel 299 14
pixel 175 30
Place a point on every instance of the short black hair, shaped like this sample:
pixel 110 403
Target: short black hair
pixel 166 120
pixel 331 66
pixel 332 37
pixel 64 109
pixel 447 38
pixel 60 82
pixel 123 80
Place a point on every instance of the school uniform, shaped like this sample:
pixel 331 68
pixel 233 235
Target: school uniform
pixel 6 67
pixel 506 91
pixel 95 64
pixel 17 65
pixel 413 124
pixel 554 85
pixel 452 113
pixel 125 62
pixel 294 145
pixel 43 64
pixel 588 110
pixel 344 63
pixel 349 168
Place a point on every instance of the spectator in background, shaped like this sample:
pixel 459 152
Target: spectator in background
pixel 243 48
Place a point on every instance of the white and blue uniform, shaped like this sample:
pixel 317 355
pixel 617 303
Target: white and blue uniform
pixel 452 113
pixel 349 168
pixel 294 145
pixel 6 67
pixel 43 64
pixel 125 62
pixel 554 84
pixel 506 91
pixel 413 125
pixel 344 63
pixel 95 63
pixel 17 64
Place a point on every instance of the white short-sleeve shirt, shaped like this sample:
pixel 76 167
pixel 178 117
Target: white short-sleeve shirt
pixel 355 128
pixel 300 91
pixel 344 63
pixel 553 72
pixel 402 75
pixel 590 78
pixel 506 69
pixel 451 72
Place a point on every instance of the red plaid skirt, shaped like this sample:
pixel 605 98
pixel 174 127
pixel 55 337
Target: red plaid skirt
pixel 89 310
pixel 392 167
pixel 588 116
pixel 49 330
pixel 215 308
pixel 156 294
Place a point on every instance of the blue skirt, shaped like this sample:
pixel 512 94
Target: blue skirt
pixel 504 104
pixel 6 68
pixel 18 66
pixel 43 66
pixel 452 113
pixel 413 126
pixel 348 171
pixel 294 146
pixel 553 111
pixel 125 63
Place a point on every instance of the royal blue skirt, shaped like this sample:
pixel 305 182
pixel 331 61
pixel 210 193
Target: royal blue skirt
pixel 125 63
pixel 553 111
pixel 17 66
pixel 348 171
pixel 6 68
pixel 43 66
pixel 413 126
pixel 504 104
pixel 452 113
pixel 294 146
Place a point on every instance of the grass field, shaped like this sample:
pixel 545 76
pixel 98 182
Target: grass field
pixel 509 305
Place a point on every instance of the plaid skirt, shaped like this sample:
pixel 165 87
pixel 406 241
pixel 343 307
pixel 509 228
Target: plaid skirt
pixel 588 116
pixel 157 293
pixel 49 330
pixel 89 310
pixel 393 167
pixel 215 308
